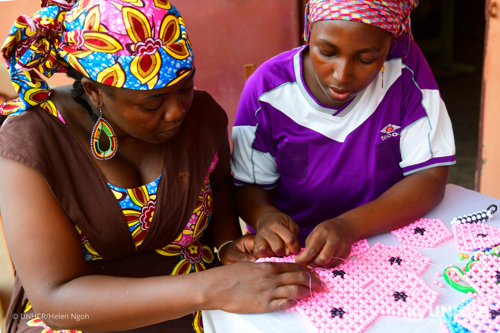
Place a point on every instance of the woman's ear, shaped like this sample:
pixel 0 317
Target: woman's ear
pixel 92 92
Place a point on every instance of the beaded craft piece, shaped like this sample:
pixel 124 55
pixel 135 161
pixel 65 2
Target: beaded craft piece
pixel 480 316
pixel 470 237
pixel 401 293
pixel 359 247
pixel 449 319
pixel 477 217
pixel 385 282
pixel 424 233
pixel 338 312
pixel 484 277
pixel 403 258
pixel 348 275
pixel 494 251
pixel 103 126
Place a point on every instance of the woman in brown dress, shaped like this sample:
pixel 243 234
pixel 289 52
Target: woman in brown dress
pixel 94 248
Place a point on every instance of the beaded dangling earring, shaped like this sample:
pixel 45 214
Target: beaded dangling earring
pixel 382 70
pixel 103 125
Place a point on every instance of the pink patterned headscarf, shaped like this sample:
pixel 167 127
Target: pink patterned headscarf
pixel 390 15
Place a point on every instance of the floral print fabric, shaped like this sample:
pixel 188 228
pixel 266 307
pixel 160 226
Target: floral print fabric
pixel 138 206
pixel 120 43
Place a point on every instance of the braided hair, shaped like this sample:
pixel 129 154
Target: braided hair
pixel 78 91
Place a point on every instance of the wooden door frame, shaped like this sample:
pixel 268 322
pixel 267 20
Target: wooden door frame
pixel 479 165
pixel 302 8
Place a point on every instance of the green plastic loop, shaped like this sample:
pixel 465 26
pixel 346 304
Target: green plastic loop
pixel 460 274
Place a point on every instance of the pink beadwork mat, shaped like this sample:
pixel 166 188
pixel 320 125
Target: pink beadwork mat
pixel 484 277
pixel 385 282
pixel 381 256
pixel 359 247
pixel 424 233
pixel 472 236
pixel 481 315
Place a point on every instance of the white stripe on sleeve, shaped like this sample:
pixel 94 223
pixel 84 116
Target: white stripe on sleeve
pixel 250 165
pixel 429 137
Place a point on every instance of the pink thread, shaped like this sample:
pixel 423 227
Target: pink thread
pixel 424 233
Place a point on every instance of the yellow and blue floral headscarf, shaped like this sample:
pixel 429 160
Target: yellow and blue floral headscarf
pixel 132 44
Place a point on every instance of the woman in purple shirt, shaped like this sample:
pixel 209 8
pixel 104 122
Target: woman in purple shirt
pixel 342 139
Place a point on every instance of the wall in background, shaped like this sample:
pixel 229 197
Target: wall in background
pixel 11 10
pixel 489 137
pixel 227 34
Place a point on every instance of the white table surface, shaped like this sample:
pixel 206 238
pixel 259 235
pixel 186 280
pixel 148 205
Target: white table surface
pixel 457 202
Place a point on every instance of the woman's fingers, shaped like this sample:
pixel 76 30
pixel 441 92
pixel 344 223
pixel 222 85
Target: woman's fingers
pixel 261 247
pixel 314 245
pixel 289 237
pixel 293 274
pixel 239 250
pixel 280 233
pixel 266 287
pixel 326 255
pixel 246 243
pixel 340 259
pixel 281 304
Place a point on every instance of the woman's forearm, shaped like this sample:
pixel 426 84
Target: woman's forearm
pixel 224 225
pixel 115 303
pixel 254 203
pixel 405 202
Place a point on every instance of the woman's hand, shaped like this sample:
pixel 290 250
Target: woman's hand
pixel 276 235
pixel 328 242
pixel 263 287
pixel 239 250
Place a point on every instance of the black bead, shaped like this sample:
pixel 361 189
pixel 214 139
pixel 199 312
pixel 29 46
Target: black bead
pixel 396 260
pixel 337 273
pixel 419 231
pixel 400 295
pixel 494 314
pixel 337 312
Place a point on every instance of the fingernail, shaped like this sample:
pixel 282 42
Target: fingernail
pixel 324 286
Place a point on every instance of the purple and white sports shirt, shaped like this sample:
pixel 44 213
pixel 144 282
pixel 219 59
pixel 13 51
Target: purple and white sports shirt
pixel 324 162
